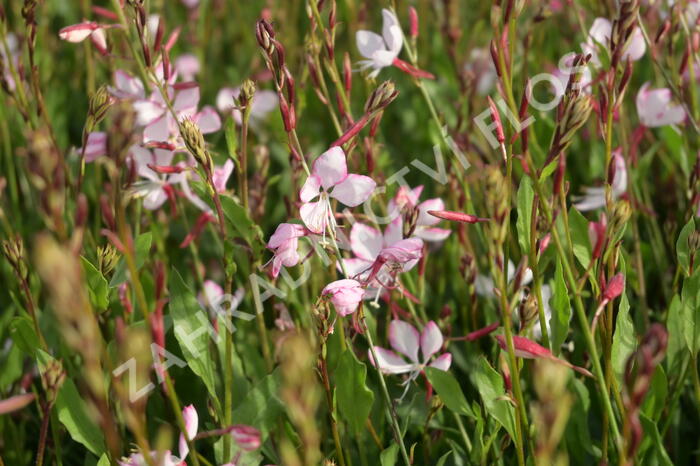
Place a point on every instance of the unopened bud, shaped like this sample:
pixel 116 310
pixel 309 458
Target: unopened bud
pixel 247 93
pixel 194 140
pixel 265 33
pixel 100 102
pixel 381 97
pixel 413 21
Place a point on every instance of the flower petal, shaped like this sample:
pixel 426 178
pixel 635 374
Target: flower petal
pixel 391 32
pixel 186 99
pixel 187 66
pixel 159 130
pixel 442 362
pixel 432 234
pixel 191 418
pixel 331 167
pixel 284 233
pixel 365 241
pixel 389 362
pixel 127 86
pixel 354 190
pixel 221 175
pixel 147 111
pixel 311 188
pixel 225 99
pixel 393 233
pixel 208 120
pixel 424 218
pixel 315 215
pixel 430 340
pixel 368 43
pixel 96 146
pixel 404 338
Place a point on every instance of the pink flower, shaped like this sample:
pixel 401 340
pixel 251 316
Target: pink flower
pixel 191 418
pixel 264 102
pixel 187 66
pixel 284 242
pixel 404 338
pixel 156 188
pixel 345 295
pixel 330 179
pixel 594 197
pixel 95 147
pixel 380 51
pixel 528 349
pixel 127 86
pixel 425 225
pixel 88 29
pixel 655 108
pixel 481 69
pixel 246 437
pixel 160 125
pixel 221 175
pixel 599 36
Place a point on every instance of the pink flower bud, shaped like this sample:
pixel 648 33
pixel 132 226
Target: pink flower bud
pixel 497 120
pixel 413 21
pixel 345 295
pixel 246 437
pixel 614 287
pixel 456 216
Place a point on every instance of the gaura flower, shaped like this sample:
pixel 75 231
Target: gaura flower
pixel 191 418
pixel 284 242
pixel 221 175
pixel 330 179
pixel 345 295
pixel 655 107
pixel 528 349
pixel 161 125
pixel 246 437
pixel 484 284
pixel 425 225
pixel 14 56
pixel 264 102
pixel 594 197
pixel 599 36
pixel 405 339
pixel 380 51
pixel 156 188
pixel 95 146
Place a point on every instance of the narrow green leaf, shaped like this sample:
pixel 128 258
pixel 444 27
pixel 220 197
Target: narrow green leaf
pixel 578 225
pixel 624 341
pixel 691 313
pixel 98 287
pixel 561 310
pixel 353 397
pixel 389 456
pixel 449 390
pixel 525 199
pixel 655 400
pixel 261 406
pixel 239 220
pixel 652 432
pixel 489 383
pixel 682 247
pixel 443 459
pixel 191 331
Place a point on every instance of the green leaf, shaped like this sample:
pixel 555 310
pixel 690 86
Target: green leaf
pixel 489 383
pixel 261 406
pixel 578 225
pixel 73 413
pixel 624 341
pixel 142 246
pixel 191 331
pixel 23 334
pixel 525 199
pixel 449 390
pixel 682 247
pixel 549 169
pixel 231 134
pixel 97 285
pixel 239 220
pixel 652 434
pixel 443 459
pixel 691 311
pixel 104 460
pixel 389 456
pixel 561 310
pixel 655 400
pixel 677 344
pixel 353 397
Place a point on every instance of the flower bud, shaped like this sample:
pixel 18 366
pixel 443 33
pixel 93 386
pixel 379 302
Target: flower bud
pixel 194 140
pixel 247 93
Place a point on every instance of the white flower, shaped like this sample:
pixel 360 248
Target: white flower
pixel 380 51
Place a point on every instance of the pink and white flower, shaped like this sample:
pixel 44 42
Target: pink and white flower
pixel 345 295
pixel 95 146
pixel 264 102
pixel 191 419
pixel 221 174
pixel 285 242
pixel 484 284
pixel 156 188
pixel 380 51
pixel 405 339
pixel 655 107
pixel 599 36
pixel 594 197
pixel 425 225
pixel 187 66
pixel 330 179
